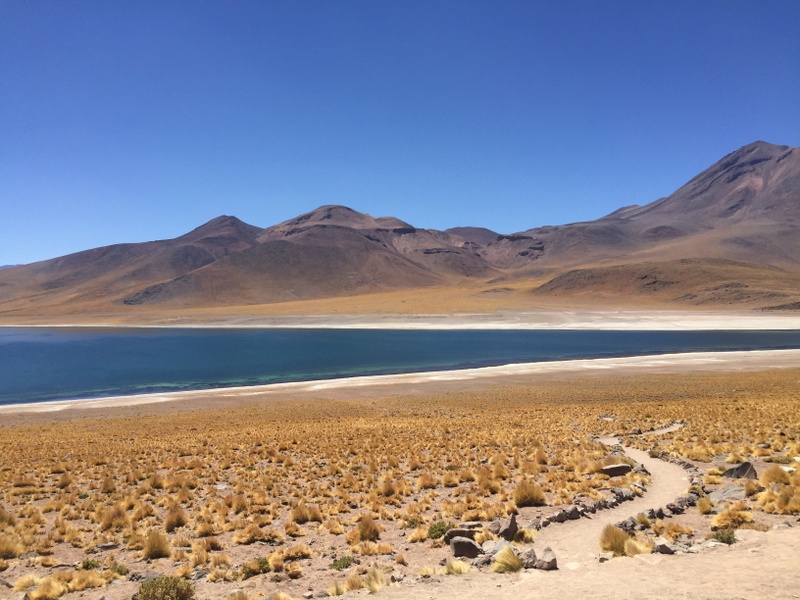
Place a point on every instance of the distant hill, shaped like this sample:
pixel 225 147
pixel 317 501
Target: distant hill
pixel 727 238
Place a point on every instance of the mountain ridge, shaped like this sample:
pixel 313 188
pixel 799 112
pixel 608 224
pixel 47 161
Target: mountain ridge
pixel 736 220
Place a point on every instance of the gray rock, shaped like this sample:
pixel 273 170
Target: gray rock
pixel 727 494
pixel 605 557
pixel 528 559
pixel 616 470
pixel 742 471
pixel 663 546
pixel 494 527
pixel 559 517
pixel 462 546
pixel 572 512
pixel 548 561
pixel 459 532
pixel 509 528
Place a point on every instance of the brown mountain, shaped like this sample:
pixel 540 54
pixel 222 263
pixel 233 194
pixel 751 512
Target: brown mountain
pixel 728 237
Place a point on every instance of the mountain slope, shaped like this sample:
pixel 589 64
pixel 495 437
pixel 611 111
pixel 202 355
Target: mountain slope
pixel 728 237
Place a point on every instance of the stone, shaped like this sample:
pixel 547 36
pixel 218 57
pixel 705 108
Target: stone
pixel 528 559
pixel 616 470
pixel 548 561
pixel 572 512
pixel 459 532
pixel 605 557
pixel 462 546
pixel 509 528
pixel 494 527
pixel 308 595
pixel 107 546
pixel 727 494
pixel 663 546
pixel 742 471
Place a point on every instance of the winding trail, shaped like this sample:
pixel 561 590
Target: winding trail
pixel 577 543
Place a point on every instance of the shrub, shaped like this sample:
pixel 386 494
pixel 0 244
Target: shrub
pixel 613 540
pixel 439 528
pixel 341 563
pixel 528 493
pixel 90 563
pixel 727 535
pixel 506 561
pixel 166 588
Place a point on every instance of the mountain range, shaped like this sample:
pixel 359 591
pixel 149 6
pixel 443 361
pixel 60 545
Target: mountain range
pixel 729 237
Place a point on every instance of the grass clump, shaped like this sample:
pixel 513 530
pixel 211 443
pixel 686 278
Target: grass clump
pixel 528 493
pixel 156 545
pixel 613 540
pixel 166 588
pixel 506 561
pixel 705 506
pixel 438 529
pixel 456 567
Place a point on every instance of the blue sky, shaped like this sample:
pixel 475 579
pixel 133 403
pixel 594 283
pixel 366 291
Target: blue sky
pixel 138 120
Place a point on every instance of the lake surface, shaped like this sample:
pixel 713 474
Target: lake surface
pixel 39 364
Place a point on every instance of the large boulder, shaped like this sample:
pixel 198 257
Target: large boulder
pixel 547 562
pixel 616 470
pixel 462 546
pixel 728 494
pixel 459 532
pixel 742 471
pixel 528 559
pixel 509 529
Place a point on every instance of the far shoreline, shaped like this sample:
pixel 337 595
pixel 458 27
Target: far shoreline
pixel 564 319
pixel 694 362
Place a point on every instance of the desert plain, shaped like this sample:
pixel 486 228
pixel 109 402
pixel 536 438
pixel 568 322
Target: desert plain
pixel 349 487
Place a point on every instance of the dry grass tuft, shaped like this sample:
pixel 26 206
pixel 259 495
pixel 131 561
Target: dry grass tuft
pixel 528 493
pixel 506 561
pixel 613 540
pixel 457 567
pixel 156 545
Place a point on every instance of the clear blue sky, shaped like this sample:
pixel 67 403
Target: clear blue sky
pixel 138 120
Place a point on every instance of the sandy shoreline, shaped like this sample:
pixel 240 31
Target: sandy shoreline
pixel 512 373
pixel 539 319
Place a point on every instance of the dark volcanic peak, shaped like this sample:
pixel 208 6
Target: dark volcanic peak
pixel 223 225
pixel 333 216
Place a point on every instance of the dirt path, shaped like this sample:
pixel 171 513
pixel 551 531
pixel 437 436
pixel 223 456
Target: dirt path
pixel 576 543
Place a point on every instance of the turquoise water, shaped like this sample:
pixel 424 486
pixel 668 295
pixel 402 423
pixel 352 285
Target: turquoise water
pixel 39 364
